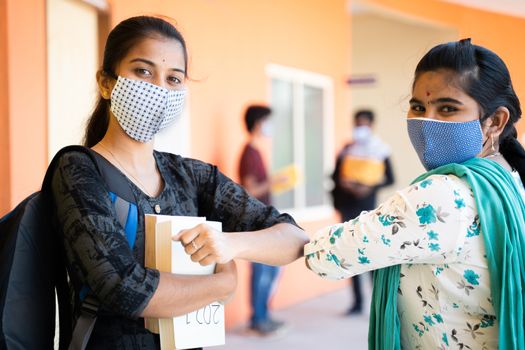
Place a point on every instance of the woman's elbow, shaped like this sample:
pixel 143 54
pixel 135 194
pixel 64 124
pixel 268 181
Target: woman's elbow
pixel 297 239
pixel 128 297
pixel 124 303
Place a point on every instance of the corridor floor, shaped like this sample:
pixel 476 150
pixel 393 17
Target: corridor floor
pixel 315 324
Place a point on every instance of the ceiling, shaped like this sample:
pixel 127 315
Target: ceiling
pixel 509 7
pixel 514 8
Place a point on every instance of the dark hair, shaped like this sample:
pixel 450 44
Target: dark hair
pixel 483 76
pixel 366 114
pixel 120 40
pixel 255 113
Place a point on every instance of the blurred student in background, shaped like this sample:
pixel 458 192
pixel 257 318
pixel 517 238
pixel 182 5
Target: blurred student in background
pixel 254 178
pixel 362 167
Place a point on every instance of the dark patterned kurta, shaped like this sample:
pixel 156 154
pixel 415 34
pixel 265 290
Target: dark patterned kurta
pixel 97 250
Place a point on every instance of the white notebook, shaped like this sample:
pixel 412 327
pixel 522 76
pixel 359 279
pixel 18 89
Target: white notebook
pixel 201 328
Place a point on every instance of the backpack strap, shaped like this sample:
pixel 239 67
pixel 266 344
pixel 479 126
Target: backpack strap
pixel 85 323
pixel 114 179
pixel 124 202
pixel 122 197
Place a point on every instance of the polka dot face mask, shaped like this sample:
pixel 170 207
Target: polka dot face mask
pixel 142 109
pixel 439 142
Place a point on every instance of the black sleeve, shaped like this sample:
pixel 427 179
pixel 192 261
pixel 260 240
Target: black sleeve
pixel 389 174
pixel 338 194
pixel 335 174
pixel 221 199
pixel 96 248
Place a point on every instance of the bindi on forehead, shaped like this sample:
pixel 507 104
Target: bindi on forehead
pixel 428 93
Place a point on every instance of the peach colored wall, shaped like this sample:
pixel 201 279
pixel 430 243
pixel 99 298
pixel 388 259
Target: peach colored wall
pixel 26 97
pixel 500 33
pixel 230 42
pixel 72 54
pixel 5 183
pixel 374 34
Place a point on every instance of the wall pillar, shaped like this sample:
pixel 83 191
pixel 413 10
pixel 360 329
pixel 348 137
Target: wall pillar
pixel 23 96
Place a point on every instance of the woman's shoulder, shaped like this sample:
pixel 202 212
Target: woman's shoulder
pixel 438 187
pixel 74 158
pixel 438 182
pixel 446 180
pixel 441 179
pixel 186 165
pixel 75 172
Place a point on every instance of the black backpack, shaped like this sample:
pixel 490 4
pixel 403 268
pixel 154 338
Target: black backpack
pixel 32 267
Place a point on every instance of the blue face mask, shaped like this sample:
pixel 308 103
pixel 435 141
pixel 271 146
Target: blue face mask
pixel 438 142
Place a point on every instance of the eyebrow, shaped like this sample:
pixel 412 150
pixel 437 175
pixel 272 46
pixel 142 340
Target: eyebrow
pixel 439 100
pixel 150 63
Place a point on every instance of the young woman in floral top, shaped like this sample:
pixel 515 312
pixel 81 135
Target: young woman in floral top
pixel 448 248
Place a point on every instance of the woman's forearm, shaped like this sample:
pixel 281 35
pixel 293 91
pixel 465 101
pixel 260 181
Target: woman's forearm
pixel 277 245
pixel 178 294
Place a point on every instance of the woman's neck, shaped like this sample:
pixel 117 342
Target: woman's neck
pixel 498 158
pixel 134 154
pixel 491 151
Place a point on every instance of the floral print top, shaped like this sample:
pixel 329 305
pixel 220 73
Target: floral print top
pixel 432 229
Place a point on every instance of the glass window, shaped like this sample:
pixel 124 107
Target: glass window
pixel 301 103
pixel 313 146
pixel 283 137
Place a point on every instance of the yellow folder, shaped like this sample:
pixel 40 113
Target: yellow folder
pixel 368 172
pixel 285 179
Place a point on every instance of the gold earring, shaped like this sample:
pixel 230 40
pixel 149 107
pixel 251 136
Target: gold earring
pixel 492 142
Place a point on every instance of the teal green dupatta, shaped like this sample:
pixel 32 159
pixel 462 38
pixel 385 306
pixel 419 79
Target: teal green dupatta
pixel 501 210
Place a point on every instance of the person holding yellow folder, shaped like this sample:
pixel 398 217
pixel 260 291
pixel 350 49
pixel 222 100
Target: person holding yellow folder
pixel 362 167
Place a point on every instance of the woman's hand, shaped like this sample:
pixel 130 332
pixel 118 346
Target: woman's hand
pixel 279 244
pixel 206 245
pixel 229 271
